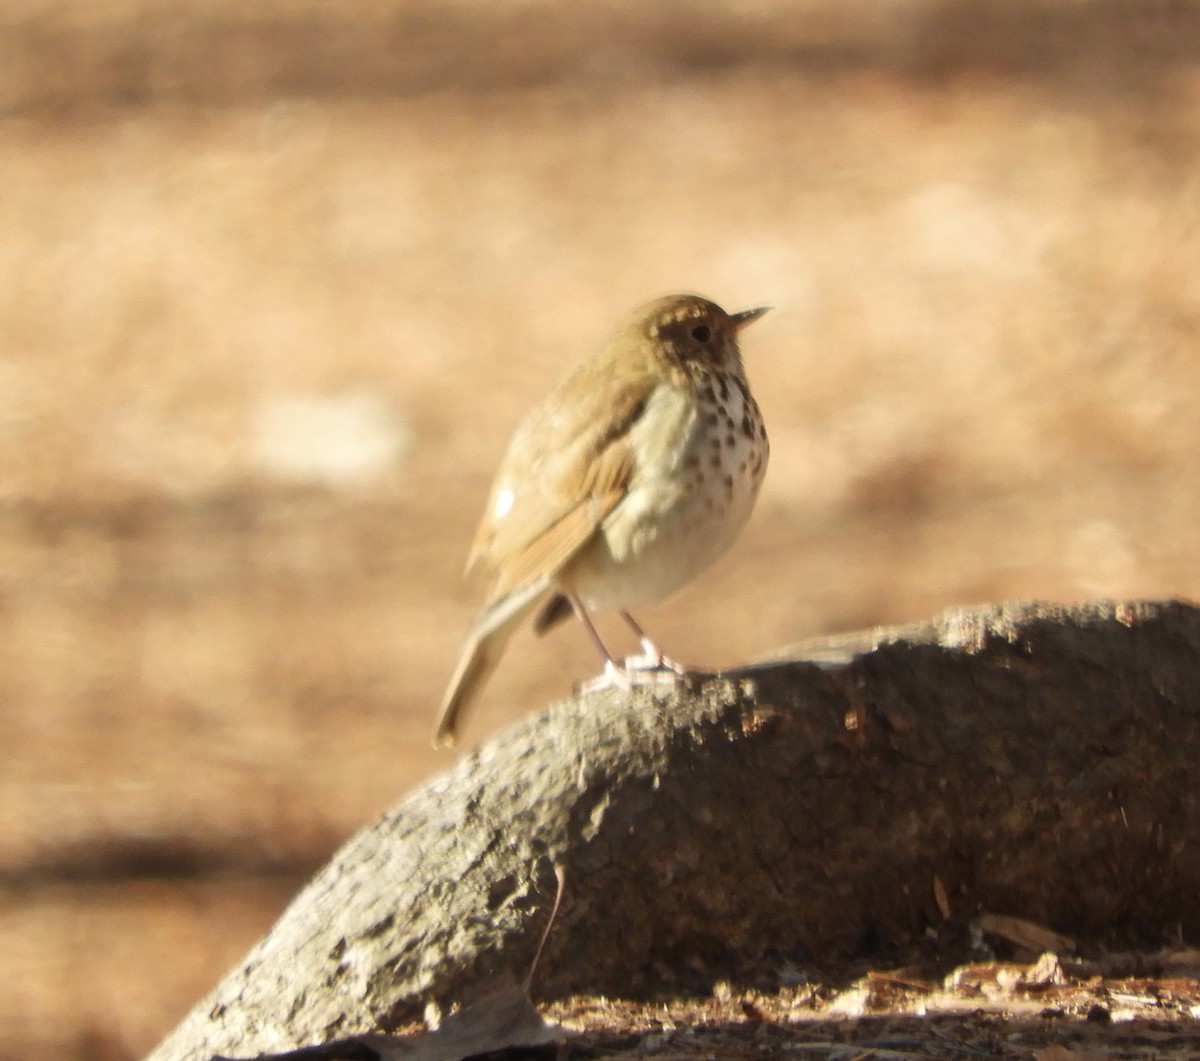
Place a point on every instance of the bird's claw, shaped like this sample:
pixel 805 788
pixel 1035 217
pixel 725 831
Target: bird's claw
pixel 635 672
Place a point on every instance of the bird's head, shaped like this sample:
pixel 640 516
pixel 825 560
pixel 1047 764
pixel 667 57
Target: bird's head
pixel 690 329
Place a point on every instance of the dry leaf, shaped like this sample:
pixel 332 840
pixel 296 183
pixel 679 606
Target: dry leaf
pixel 941 898
pixel 507 1018
pixel 1027 934
pixel 1061 1053
pixel 1046 971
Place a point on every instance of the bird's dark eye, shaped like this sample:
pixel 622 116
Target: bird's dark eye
pixel 701 333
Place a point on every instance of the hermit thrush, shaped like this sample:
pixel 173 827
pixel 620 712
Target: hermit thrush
pixel 628 479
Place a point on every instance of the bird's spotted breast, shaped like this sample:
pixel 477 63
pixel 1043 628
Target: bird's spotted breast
pixel 734 438
pixel 678 520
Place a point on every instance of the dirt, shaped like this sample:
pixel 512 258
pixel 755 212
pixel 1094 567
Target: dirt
pixel 1038 1010
pixel 276 286
pixel 1034 1012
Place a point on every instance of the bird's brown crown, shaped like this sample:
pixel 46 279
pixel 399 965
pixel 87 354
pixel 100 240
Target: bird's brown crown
pixel 690 329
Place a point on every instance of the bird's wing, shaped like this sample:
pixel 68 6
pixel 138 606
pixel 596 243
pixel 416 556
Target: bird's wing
pixel 567 467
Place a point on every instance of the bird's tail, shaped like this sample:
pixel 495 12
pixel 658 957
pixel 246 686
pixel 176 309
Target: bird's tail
pixel 481 653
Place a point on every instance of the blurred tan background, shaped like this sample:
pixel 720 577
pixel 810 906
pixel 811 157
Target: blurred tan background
pixel 277 281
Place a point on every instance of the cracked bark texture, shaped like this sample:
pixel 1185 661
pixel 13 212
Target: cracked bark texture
pixel 1039 760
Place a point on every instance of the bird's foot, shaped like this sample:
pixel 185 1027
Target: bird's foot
pixel 640 671
pixel 612 677
pixel 651 660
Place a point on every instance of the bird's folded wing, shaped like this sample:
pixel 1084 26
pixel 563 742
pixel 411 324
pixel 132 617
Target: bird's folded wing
pixel 568 466
pixel 551 550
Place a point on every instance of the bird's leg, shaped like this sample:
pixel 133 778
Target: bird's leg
pixel 650 668
pixel 613 674
pixel 651 658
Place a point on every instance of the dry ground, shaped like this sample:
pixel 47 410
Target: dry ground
pixel 276 284
pixel 1004 1011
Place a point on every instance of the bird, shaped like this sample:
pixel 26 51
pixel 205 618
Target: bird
pixel 627 480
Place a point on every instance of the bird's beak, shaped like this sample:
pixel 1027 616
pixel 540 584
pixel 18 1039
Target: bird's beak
pixel 740 320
